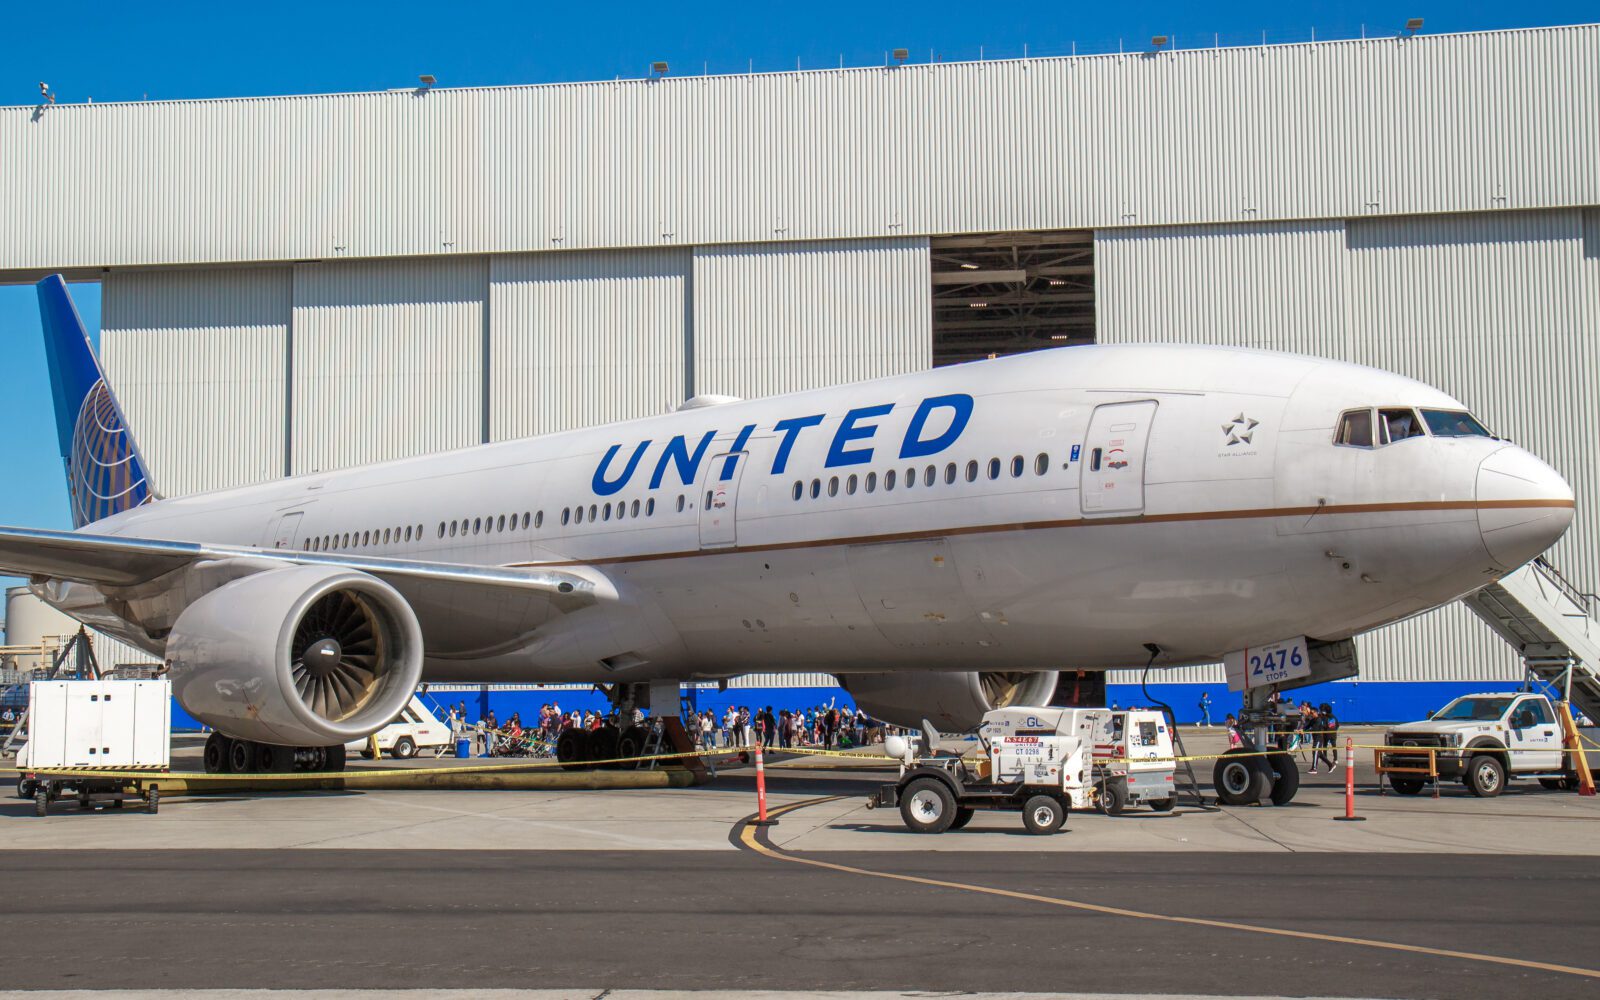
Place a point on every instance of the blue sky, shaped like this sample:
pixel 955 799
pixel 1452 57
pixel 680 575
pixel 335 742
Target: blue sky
pixel 122 51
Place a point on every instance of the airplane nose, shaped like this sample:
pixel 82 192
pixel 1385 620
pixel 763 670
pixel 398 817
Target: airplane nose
pixel 1523 506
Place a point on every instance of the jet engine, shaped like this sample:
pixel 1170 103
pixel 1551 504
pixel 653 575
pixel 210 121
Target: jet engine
pixel 304 656
pixel 955 702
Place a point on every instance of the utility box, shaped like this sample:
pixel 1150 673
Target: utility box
pixel 118 724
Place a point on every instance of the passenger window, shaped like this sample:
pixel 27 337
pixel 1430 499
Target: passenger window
pixel 888 480
pixel 929 475
pixel 872 482
pixel 799 489
pixel 650 507
pixel 1094 459
pixel 911 478
pixel 1017 466
pixel 1355 429
pixel 972 472
pixel 680 503
pixel 577 515
pixel 538 519
pixel 994 468
pixel 1397 425
pixel 634 511
pixel 950 473
pixel 477 525
pixel 593 510
pixel 386 536
pixel 816 488
pixel 833 486
pixel 850 486
pixel 566 516
pixel 1041 465
pixel 606 512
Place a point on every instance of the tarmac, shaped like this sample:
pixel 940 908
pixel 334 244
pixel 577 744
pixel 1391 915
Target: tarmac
pixel 583 891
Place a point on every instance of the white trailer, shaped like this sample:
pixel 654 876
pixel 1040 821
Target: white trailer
pixel 1130 759
pixel 93 725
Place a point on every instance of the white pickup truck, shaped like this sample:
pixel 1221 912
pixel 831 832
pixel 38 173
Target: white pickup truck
pixel 1482 740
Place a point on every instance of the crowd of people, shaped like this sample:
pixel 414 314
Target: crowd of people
pixel 1312 729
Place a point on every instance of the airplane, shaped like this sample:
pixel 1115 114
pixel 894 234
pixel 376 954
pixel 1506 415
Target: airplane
pixel 944 542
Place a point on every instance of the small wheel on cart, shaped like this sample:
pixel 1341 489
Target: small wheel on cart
pixel 1562 784
pixel 116 803
pixel 152 800
pixel 405 748
pixel 1163 805
pixel 927 806
pixel 26 787
pixel 1043 814
pixel 1113 798
pixel 41 803
pixel 963 817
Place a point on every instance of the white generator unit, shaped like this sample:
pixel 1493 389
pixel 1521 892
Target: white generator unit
pixel 1130 761
pixel 99 724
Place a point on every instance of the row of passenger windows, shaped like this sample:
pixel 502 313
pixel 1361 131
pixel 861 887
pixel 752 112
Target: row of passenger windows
pixel 493 524
pixel 930 475
pixel 362 539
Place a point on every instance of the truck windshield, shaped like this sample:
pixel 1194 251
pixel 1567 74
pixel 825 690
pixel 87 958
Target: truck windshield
pixel 1454 424
pixel 1473 709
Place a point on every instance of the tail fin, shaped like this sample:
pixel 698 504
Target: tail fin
pixel 105 472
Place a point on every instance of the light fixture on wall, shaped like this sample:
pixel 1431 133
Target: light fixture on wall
pixel 1413 25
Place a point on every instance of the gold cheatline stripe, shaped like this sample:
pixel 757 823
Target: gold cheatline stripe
pixel 747 835
pixel 1076 522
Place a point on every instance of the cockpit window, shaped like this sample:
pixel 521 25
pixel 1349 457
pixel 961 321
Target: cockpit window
pixel 1454 424
pixel 1397 425
pixel 1355 429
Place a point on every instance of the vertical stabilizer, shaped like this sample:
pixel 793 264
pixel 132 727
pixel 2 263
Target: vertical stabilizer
pixel 105 473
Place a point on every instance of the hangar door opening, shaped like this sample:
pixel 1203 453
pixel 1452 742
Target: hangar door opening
pixel 1008 293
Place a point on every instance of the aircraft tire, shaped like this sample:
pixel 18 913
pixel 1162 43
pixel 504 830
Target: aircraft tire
pixel 241 757
pixel 1286 780
pixel 573 749
pixel 1234 780
pixel 217 753
pixel 603 745
pixel 334 758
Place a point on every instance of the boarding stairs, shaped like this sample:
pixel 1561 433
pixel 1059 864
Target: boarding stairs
pixel 1553 626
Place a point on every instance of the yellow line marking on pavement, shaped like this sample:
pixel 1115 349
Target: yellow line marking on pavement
pixel 748 836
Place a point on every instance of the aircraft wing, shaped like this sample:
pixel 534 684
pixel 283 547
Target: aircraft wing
pixel 115 561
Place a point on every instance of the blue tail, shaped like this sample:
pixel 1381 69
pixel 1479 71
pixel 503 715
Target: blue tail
pixel 105 472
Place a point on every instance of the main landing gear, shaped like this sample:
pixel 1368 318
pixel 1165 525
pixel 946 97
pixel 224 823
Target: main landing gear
pixel 226 755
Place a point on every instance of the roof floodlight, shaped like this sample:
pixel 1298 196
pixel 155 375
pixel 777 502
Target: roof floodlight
pixel 1414 25
pixel 901 55
pixel 659 68
pixel 1156 41
pixel 428 80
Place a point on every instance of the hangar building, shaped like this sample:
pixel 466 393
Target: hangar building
pixel 294 284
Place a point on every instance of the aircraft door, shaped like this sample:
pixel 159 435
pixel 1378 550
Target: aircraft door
pixel 288 527
pixel 719 501
pixel 1112 476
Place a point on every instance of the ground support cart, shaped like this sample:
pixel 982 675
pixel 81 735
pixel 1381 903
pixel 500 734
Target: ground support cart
pixel 89 790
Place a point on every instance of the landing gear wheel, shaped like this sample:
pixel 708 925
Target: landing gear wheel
pixel 1234 779
pixel 152 800
pixel 1407 786
pixel 572 749
pixel 1043 814
pixel 218 749
pixel 632 744
pixel 1486 776
pixel 1113 798
pixel 1163 805
pixel 405 748
pixel 241 757
pixel 927 806
pixel 1286 780
pixel 41 803
pixel 963 817
pixel 333 758
pixel 603 746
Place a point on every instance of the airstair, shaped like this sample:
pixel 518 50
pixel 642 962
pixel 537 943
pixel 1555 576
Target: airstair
pixel 1553 625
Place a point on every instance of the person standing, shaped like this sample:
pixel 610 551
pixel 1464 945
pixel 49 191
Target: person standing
pixel 1205 709
pixel 1326 739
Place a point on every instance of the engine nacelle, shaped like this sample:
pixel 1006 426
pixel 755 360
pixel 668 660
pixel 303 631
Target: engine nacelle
pixel 304 656
pixel 955 702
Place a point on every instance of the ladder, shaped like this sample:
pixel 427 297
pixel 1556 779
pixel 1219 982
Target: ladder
pixel 84 666
pixel 1552 625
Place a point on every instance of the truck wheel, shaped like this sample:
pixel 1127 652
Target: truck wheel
pixel 1286 780
pixel 1113 798
pixel 963 817
pixel 927 806
pixel 1234 779
pixel 1407 786
pixel 41 803
pixel 405 748
pixel 1486 776
pixel 1043 814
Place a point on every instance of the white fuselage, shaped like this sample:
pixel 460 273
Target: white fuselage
pixel 1221 515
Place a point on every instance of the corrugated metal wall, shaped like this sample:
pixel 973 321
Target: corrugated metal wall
pixel 584 338
pixel 1498 309
pixel 1433 123
pixel 775 318
pixel 197 359
pixel 388 360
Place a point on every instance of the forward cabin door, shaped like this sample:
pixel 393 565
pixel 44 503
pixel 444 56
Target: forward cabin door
pixel 719 501
pixel 288 528
pixel 1113 458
